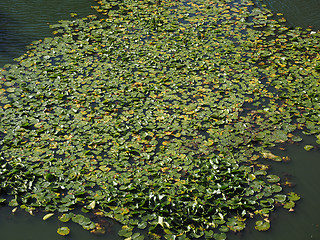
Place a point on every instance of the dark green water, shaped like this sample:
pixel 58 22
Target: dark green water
pixel 304 223
pixel 22 22
pixel 299 13
pixel 21 225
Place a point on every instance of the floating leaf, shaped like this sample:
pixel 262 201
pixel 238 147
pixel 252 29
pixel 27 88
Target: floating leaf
pixel 273 178
pixel 137 236
pixel 271 156
pixel 92 205
pixel 308 147
pixel 153 113
pixel 289 205
pixel 219 236
pixel 262 225
pixel 235 225
pixel 280 198
pixel 142 225
pixel 47 216
pixel 208 234
pixel 125 233
pixel 296 139
pixel 293 196
pixel 63 231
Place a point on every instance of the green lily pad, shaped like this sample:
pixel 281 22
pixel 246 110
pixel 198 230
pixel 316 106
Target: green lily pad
pixel 142 225
pixel 157 117
pixel 80 219
pixel 289 205
pixel 293 196
pixel 219 236
pixel 308 147
pixel 63 231
pixel 47 216
pixel 269 155
pixel 281 198
pixel 262 225
pixel 65 217
pixel 235 225
pixel 273 178
pixel 125 233
pixel 137 236
pixel 296 139
pixel 208 234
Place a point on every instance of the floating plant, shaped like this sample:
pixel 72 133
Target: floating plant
pixel 160 116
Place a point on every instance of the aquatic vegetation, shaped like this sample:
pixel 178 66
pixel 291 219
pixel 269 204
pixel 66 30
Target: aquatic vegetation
pixel 63 231
pixel 160 116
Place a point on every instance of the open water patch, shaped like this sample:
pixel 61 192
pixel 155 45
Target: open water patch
pixel 22 22
pixel 298 13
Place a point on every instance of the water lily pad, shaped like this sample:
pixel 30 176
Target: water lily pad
pixel 208 234
pixel 262 225
pixel 125 233
pixel 219 236
pixel 47 216
pixel 293 196
pixel 92 205
pixel 153 118
pixel 80 219
pixel 236 225
pixel 63 231
pixel 273 178
pixel 137 236
pixel 271 156
pixel 308 147
pixel 289 205
pixel 296 139
pixel 65 217
pixel 280 198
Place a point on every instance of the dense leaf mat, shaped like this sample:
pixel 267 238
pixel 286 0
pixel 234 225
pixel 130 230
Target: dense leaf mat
pixel 160 115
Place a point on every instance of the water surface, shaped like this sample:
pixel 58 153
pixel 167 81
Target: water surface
pixel 299 13
pixel 24 21
pixel 303 172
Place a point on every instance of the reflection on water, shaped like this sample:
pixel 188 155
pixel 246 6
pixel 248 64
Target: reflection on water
pixel 22 22
pixel 299 13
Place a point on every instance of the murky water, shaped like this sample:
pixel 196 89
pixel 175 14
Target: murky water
pixel 22 22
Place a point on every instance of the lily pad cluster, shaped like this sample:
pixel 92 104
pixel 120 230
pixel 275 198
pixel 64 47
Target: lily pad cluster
pixel 161 116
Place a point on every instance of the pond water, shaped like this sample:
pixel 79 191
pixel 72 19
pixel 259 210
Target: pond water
pixel 22 22
pixel 21 225
pixel 304 223
pixel 299 13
